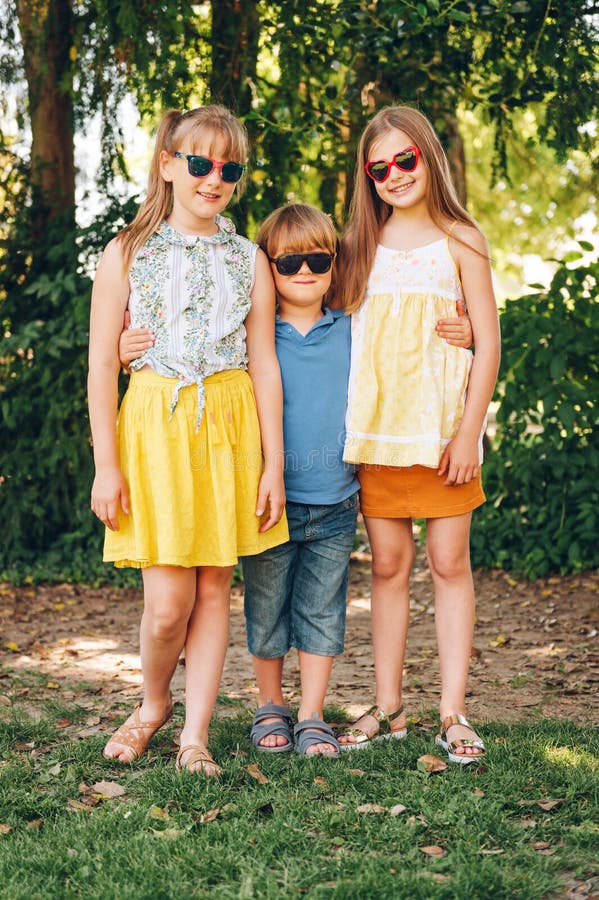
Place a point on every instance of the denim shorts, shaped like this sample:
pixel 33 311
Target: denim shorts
pixel 295 594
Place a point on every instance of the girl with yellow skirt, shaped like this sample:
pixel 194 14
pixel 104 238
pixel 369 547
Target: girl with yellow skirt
pixel 190 477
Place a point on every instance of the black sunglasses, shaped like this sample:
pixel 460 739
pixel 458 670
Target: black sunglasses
pixel 199 166
pixel 291 263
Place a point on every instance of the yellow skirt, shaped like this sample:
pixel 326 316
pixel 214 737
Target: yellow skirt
pixel 193 493
pixel 414 492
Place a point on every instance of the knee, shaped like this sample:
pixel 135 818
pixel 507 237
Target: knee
pixel 166 622
pixel 389 566
pixel 214 587
pixel 448 566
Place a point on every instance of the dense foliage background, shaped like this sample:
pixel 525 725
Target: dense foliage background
pixel 511 86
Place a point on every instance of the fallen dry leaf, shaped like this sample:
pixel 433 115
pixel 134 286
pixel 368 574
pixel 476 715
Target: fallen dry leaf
pixel 209 816
pixel 496 852
pixel 156 812
pixel 356 772
pixel 433 850
pixel 318 779
pixel 500 641
pixel 397 809
pixel 478 793
pixel 169 834
pixel 430 763
pixel 254 770
pixel 4 829
pixel 77 804
pixel 544 804
pixel 551 804
pixel 371 808
pixel 35 824
pixel 107 789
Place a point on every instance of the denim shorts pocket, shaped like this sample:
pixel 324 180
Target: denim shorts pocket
pixel 351 502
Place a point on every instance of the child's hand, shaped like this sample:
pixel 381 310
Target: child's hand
pixel 109 491
pixel 133 342
pixel 271 498
pixel 459 461
pixel 456 331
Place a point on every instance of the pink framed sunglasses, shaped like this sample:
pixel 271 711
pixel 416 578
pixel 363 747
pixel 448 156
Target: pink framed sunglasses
pixel 406 161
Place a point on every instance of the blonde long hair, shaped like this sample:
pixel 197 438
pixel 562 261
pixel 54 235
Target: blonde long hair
pixel 368 213
pixel 174 127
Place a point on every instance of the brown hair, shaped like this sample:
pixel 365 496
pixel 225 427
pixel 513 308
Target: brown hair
pixel 368 213
pixel 296 228
pixel 174 127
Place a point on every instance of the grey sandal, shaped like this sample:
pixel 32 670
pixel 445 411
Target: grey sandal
pixel 261 729
pixel 314 731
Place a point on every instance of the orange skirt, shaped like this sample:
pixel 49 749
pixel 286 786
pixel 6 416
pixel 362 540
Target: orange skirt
pixel 414 492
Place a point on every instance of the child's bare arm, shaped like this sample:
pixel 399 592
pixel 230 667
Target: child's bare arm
pixel 109 300
pixel 264 371
pixel 457 331
pixel 133 342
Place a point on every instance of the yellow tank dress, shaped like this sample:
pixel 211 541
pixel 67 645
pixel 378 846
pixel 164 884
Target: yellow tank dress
pixel 407 386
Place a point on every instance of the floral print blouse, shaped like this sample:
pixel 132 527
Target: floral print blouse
pixel 194 293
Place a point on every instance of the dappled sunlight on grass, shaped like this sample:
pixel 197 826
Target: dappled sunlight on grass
pixel 574 757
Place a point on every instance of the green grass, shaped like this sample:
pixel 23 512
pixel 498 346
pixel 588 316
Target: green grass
pixel 300 834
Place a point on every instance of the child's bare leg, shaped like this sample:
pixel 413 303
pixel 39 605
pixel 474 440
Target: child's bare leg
pixel 205 650
pixel 269 678
pixel 169 596
pixel 448 552
pixel 315 672
pixel 392 546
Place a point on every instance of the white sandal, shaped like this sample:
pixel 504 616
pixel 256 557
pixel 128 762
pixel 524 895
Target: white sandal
pixel 451 746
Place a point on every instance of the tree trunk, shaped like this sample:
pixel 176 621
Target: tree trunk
pixel 456 157
pixel 235 31
pixel 45 27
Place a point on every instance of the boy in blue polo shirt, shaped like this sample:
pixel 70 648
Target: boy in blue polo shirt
pixel 295 595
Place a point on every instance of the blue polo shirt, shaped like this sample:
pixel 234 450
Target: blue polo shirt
pixel 315 373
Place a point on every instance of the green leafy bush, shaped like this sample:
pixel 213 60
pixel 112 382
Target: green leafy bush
pixel 46 467
pixel 542 474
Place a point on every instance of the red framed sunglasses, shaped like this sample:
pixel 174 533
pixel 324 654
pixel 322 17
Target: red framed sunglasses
pixel 406 161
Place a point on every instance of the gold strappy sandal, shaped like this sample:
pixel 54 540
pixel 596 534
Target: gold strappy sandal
pixel 361 738
pixel 199 754
pixel 137 734
pixel 451 746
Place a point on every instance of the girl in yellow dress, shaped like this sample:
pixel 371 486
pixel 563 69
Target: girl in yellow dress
pixel 416 405
pixel 191 476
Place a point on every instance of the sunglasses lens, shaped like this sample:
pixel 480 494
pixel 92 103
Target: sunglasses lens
pixel 406 160
pixel 319 263
pixel 232 172
pixel 289 264
pixel 378 170
pixel 199 166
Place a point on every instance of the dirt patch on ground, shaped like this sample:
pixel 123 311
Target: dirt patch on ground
pixel 535 649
